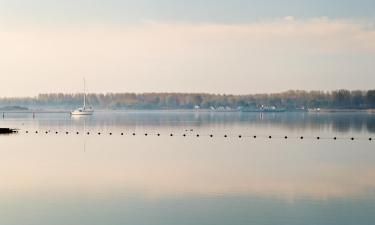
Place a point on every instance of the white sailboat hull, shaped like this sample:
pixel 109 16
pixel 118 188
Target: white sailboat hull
pixel 82 112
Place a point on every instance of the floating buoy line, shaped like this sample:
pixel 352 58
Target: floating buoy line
pixel 198 135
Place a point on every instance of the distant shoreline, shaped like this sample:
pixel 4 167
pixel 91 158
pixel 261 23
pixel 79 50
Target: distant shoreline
pixel 294 100
pixel 344 110
pixel 63 111
pixel 13 108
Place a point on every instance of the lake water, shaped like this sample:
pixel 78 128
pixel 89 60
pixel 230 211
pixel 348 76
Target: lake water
pixel 88 179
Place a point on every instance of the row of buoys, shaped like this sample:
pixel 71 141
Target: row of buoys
pixel 211 135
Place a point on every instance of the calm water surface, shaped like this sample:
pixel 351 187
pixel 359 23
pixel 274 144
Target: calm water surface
pixel 70 179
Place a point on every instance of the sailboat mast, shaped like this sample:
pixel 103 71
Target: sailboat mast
pixel 84 93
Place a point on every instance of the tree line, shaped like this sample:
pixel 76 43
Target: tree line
pixel 293 99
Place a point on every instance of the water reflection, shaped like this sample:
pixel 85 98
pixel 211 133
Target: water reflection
pixel 169 167
pixel 162 180
pixel 289 122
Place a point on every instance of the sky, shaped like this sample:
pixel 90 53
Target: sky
pixel 232 47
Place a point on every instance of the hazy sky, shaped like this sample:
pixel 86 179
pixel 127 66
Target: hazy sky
pixel 210 46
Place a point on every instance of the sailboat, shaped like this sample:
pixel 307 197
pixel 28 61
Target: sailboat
pixel 84 110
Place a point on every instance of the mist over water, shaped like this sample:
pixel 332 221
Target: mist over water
pixel 50 178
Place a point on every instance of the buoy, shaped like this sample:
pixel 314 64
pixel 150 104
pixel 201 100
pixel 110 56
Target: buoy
pixel 36 132
pixel 301 137
pixel 269 137
pixel 122 134
pixel 318 138
pixel 255 136
pixel 88 133
pixel 225 136
pixel 110 133
pixel 77 132
pixel 171 135
pixel 286 137
pixel 184 135
pixel 99 133
pixel 27 132
pixel 240 136
pixel 56 132
pixel 370 139
pixel 211 135
pixel 335 138
pixel 67 132
pixel 145 134
pixel 133 134
pixel 352 138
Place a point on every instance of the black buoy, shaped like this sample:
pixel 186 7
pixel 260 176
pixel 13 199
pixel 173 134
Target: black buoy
pixel 225 136
pixel 99 133
pixel 269 137
pixel 122 134
pixel 171 135
pixel 370 139
pixel 27 132
pixel 255 136
pixel 211 135
pixel 286 137
pixel 146 134
pixel 110 133
pixel 301 137
pixel 88 133
pixel 67 132
pixel 133 134
pixel 36 132
pixel 239 136
pixel 318 138
pixel 184 135
pixel 77 132
pixel 352 138
pixel 56 132
pixel 335 138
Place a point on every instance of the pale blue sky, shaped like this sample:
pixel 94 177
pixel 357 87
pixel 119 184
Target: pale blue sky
pixel 221 46
pixel 233 11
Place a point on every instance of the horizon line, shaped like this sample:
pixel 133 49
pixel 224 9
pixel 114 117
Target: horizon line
pixel 191 93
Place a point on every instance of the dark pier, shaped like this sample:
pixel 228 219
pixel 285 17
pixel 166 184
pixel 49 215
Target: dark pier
pixel 8 131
